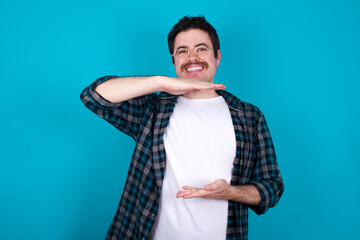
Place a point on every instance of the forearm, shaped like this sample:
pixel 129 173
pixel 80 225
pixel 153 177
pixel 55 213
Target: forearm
pixel 220 189
pixel 121 89
pixel 247 194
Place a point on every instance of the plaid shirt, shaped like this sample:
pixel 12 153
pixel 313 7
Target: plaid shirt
pixel 145 119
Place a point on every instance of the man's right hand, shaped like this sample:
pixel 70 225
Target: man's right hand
pixel 180 86
pixel 121 89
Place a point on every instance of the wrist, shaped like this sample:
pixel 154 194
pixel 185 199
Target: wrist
pixel 230 192
pixel 158 82
pixel 235 193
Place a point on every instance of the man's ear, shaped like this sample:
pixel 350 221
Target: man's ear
pixel 218 58
pixel 173 60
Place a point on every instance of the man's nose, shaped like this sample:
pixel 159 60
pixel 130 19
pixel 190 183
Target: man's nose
pixel 192 55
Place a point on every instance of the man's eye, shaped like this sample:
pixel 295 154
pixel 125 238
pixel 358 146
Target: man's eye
pixel 182 51
pixel 202 49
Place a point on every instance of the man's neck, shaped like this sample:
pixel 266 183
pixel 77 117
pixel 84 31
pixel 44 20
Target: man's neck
pixel 202 94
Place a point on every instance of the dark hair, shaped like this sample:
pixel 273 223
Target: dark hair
pixel 187 23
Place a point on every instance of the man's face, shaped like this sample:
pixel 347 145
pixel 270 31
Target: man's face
pixel 201 68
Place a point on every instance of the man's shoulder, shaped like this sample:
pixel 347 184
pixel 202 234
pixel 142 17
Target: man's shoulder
pixel 235 103
pixel 238 104
pixel 166 96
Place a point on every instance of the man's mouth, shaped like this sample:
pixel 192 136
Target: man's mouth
pixel 192 67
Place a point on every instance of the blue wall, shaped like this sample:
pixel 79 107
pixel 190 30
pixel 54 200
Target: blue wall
pixel 63 168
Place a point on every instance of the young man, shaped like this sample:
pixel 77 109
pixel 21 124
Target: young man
pixel 202 156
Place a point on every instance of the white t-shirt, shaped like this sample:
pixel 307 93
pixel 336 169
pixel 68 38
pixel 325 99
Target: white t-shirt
pixel 200 148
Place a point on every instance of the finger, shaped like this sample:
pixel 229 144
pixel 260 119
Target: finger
pixel 219 86
pixel 190 188
pixel 212 86
pixel 211 187
pixel 180 194
pixel 183 193
pixel 209 87
pixel 199 88
pixel 204 87
pixel 187 190
pixel 196 194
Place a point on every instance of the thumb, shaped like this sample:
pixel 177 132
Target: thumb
pixel 210 187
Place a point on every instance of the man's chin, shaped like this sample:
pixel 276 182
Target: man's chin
pixel 202 79
pixel 198 77
pixel 195 76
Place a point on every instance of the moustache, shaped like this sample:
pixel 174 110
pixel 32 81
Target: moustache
pixel 185 65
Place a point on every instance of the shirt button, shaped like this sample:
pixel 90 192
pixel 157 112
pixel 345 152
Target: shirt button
pixel 153 215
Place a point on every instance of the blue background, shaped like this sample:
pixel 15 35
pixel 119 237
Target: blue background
pixel 63 168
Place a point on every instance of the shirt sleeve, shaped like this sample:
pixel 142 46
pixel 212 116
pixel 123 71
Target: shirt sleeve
pixel 125 116
pixel 266 175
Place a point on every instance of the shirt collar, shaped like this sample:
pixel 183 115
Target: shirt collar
pixel 230 99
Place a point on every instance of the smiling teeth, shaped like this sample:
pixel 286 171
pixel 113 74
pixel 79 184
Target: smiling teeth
pixel 193 69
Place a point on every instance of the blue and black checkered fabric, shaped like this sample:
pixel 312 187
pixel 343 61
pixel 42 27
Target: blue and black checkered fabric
pixel 145 119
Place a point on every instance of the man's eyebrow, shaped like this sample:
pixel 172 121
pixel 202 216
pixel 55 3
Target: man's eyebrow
pixel 199 44
pixel 182 47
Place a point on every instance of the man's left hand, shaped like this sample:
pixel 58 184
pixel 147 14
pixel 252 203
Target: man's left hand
pixel 220 189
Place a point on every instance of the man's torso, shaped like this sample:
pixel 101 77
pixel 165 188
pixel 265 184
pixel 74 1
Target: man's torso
pixel 200 148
